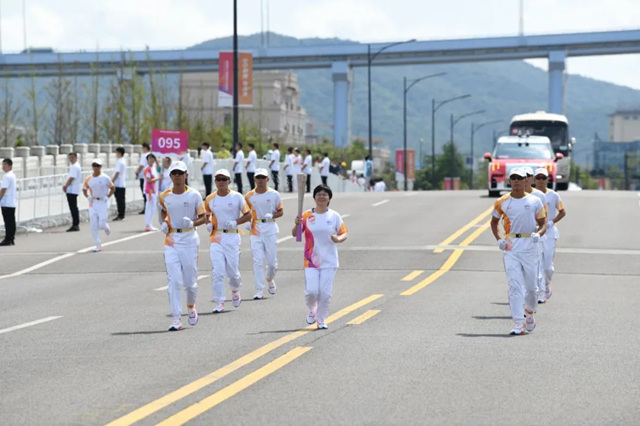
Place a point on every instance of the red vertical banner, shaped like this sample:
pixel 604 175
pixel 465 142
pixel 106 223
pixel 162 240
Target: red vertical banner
pixel 225 82
pixel 411 162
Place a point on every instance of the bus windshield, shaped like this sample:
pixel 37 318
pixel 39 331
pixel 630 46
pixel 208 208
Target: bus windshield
pixel 525 151
pixel 556 131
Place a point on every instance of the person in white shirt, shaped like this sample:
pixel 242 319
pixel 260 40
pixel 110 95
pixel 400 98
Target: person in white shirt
pixel 182 210
pixel 288 168
pixel 151 178
pixel 323 229
pixel 8 203
pixel 225 210
pixel 555 213
pixel 238 165
pixel 252 160
pixel 166 182
pixel 98 188
pixel 72 188
pixel 274 165
pixel 524 223
pixel 297 167
pixel 119 180
pixel 265 205
pixel 307 167
pixel 380 186
pixel 207 167
pixel 146 149
pixel 324 168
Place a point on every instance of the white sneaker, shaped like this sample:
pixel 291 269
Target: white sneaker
pixel 530 322
pixel 97 249
pixel 311 317
pixel 518 329
pixel 548 293
pixel 272 287
pixel 542 301
pixel 107 229
pixel 322 326
pixel 259 295
pixel 236 300
pixel 193 316
pixel 150 229
pixel 176 325
pixel 218 309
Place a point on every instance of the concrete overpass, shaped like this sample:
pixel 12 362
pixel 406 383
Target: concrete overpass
pixel 556 48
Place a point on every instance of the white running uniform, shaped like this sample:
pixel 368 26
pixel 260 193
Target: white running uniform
pixel 320 259
pixel 181 248
pixel 225 247
pixel 554 203
pixel 541 285
pixel 264 235
pixel 521 256
pixel 98 188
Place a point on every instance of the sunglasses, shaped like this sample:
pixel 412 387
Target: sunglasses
pixel 96 165
pixel 222 179
pixel 177 173
pixel 261 177
pixel 541 178
pixel 516 178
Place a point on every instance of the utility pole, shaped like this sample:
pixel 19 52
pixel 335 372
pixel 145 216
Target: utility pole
pixel 235 73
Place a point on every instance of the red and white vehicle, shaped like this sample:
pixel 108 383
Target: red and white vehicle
pixel 519 151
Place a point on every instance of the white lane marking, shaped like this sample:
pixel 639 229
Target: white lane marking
pixel 379 203
pixel 66 255
pixel 410 193
pixel 345 215
pixel 28 324
pixel 165 287
pixel 288 237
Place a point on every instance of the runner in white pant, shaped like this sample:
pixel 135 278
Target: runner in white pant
pixel 529 189
pixel 555 212
pixel 225 210
pixel 98 188
pixel 323 230
pixel 182 210
pixel 266 206
pixel 523 221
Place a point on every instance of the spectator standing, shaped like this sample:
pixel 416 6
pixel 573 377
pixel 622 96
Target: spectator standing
pixel 8 202
pixel 72 189
pixel 146 149
pixel 119 179
pixel 237 166
pixel 207 167
pixel 274 165
pixel 325 168
pixel 288 168
pixel 306 167
pixel 252 160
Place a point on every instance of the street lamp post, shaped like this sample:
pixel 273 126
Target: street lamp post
pixel 474 129
pixel 453 123
pixel 406 89
pixel 435 107
pixel 369 61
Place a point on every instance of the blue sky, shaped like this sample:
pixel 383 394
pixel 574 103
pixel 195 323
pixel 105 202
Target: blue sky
pixel 71 25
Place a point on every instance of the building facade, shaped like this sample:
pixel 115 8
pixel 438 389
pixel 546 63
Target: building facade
pixel 276 109
pixel 624 126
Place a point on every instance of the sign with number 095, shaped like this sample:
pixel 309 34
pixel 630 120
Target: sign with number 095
pixel 169 141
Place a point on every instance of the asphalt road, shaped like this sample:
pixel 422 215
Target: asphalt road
pixel 83 336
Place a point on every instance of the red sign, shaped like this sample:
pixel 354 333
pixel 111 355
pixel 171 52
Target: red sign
pixel 225 82
pixel 411 162
pixel 169 141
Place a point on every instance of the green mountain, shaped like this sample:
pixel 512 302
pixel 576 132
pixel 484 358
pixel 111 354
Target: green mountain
pixel 502 89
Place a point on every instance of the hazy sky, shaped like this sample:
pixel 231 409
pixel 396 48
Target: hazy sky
pixel 68 25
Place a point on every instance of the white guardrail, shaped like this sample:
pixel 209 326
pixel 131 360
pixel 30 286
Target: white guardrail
pixel 41 203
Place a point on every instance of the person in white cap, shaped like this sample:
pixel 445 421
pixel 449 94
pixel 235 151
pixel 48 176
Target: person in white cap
pixel 555 213
pixel 98 188
pixel 182 210
pixel 524 223
pixel 529 189
pixel 225 210
pixel 266 205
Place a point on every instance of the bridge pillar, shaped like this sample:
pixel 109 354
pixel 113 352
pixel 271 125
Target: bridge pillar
pixel 341 73
pixel 556 81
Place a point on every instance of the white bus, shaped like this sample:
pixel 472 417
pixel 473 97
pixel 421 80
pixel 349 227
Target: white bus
pixel 556 128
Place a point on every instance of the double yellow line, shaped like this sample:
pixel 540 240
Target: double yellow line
pixel 453 258
pixel 227 392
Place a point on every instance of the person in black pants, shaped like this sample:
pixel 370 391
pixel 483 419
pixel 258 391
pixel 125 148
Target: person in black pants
pixel 72 189
pixel 8 202
pixel 119 179
pixel 274 164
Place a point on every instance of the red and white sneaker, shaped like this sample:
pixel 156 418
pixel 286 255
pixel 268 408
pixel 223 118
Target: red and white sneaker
pixel 529 322
pixel 176 325
pixel 518 329
pixel 218 309
pixel 193 316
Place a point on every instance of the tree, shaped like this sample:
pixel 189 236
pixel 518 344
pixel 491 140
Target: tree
pixel 34 111
pixel 9 109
